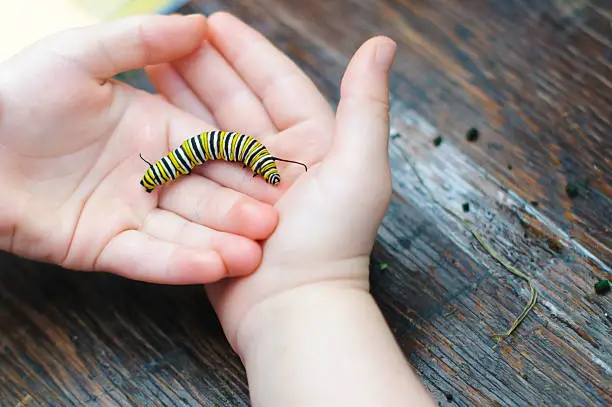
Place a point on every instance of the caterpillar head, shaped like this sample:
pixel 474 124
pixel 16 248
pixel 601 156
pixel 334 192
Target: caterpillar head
pixel 269 172
pixel 145 181
pixel 146 187
pixel 274 178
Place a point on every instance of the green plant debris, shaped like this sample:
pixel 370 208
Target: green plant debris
pixel 465 207
pixel 383 266
pixel 533 293
pixel 602 286
pixel 510 167
pixel 395 135
pixel 437 141
pixel 472 134
pixel 571 190
pixel 535 203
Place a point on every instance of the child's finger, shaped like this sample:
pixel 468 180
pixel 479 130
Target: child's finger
pixel 290 97
pixel 362 118
pixel 169 83
pixel 170 250
pixel 138 256
pixel 206 203
pixel 224 92
pixel 107 49
pixel 240 255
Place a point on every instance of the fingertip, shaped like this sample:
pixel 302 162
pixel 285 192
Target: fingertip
pixel 381 39
pixel 195 24
pixel 188 31
pixel 256 220
pixel 224 28
pixel 199 20
pixel 196 267
pixel 385 52
pixel 220 15
pixel 375 54
pixel 240 255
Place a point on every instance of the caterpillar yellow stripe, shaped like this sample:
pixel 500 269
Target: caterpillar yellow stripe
pixel 213 145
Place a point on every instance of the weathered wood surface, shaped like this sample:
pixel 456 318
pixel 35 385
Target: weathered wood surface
pixel 536 79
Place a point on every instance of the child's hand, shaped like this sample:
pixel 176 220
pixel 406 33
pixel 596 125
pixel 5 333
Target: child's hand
pixel 329 217
pixel 70 140
pixel 304 324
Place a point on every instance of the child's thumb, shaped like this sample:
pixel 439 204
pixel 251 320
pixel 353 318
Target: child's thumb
pixel 362 118
pixel 107 49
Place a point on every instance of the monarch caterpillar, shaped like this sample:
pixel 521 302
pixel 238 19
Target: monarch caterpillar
pixel 213 145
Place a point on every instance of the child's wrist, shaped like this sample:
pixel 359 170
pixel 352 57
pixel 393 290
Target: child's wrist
pixel 271 315
pixel 293 343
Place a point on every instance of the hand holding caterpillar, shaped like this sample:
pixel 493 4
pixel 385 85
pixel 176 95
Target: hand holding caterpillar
pixel 213 145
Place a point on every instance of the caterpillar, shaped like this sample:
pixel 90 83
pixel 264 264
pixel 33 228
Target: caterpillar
pixel 213 145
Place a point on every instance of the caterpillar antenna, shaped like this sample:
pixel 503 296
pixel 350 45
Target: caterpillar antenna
pixel 290 161
pixel 150 165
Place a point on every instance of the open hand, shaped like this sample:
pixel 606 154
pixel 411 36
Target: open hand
pixel 328 216
pixel 70 139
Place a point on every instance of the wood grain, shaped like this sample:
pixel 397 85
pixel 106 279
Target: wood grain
pixel 535 78
pixel 92 339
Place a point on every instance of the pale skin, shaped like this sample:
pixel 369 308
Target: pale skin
pixel 297 307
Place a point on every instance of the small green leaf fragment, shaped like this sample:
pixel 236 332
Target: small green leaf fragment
pixel 602 286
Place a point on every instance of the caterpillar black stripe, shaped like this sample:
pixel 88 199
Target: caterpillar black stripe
pixel 213 145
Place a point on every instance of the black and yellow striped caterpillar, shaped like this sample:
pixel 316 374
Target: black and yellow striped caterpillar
pixel 213 145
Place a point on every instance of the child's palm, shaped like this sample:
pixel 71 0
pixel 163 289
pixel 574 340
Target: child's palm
pixel 74 166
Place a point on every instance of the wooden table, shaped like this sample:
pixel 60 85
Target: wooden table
pixel 535 79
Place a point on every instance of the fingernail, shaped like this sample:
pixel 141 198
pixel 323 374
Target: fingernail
pixel 385 52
